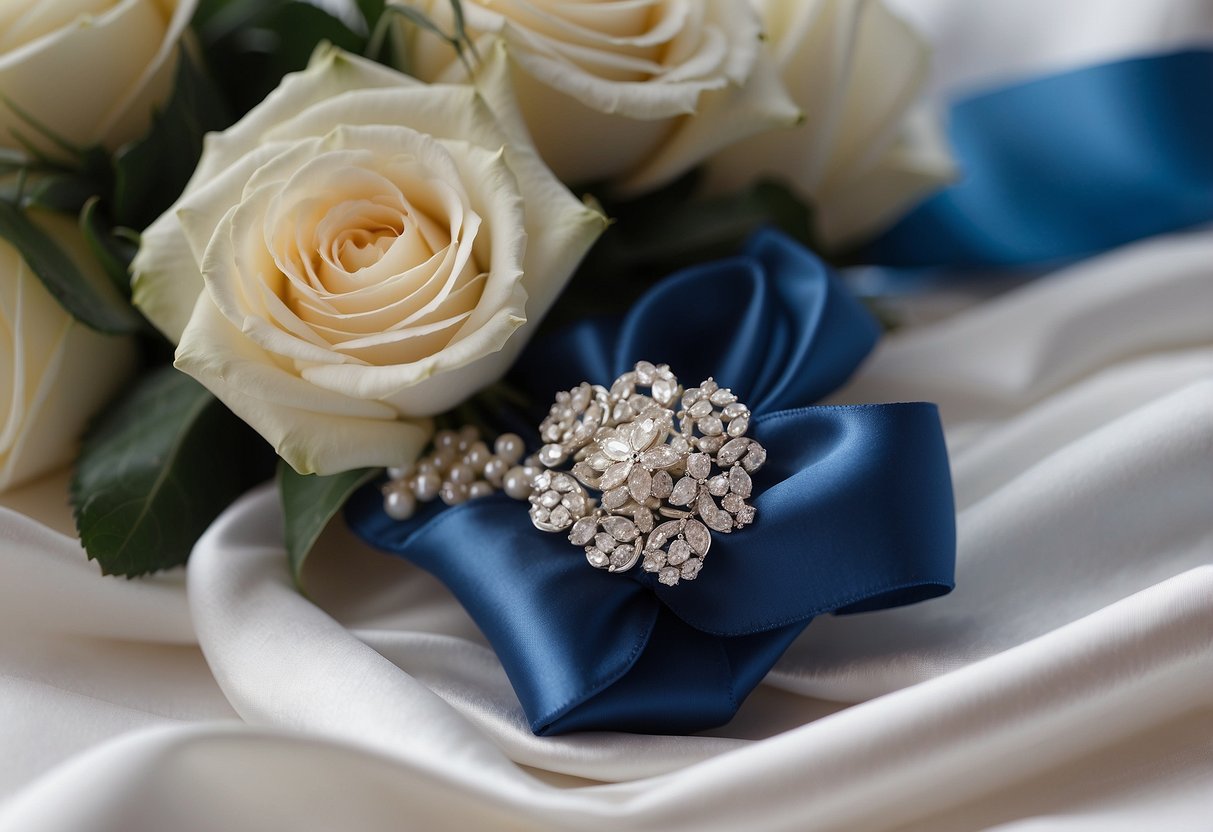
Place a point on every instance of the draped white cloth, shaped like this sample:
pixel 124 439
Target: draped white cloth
pixel 1067 683
pixel 978 44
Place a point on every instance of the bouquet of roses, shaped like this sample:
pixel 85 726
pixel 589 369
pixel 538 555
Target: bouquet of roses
pixel 341 239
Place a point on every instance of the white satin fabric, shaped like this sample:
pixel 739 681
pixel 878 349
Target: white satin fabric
pixel 1067 683
pixel 983 43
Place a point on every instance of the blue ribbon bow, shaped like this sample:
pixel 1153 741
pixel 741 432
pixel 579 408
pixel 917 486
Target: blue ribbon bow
pixel 855 510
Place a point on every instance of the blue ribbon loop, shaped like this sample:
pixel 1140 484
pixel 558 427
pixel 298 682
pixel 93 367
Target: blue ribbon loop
pixel 1069 165
pixel 855 510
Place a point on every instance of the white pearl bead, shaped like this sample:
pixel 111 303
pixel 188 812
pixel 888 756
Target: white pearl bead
pixel 443 458
pixel 454 493
pixel 477 455
pixel 461 474
pixel 480 488
pixel 446 439
pixel 425 485
pixel 402 473
pixel 517 483
pixel 494 470
pixel 399 504
pixel 469 435
pixel 510 447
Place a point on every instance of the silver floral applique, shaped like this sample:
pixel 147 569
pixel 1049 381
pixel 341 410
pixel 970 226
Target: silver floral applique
pixel 669 467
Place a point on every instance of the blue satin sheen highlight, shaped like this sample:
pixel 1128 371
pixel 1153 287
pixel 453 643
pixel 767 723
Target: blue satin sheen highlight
pixel 854 510
pixel 1069 165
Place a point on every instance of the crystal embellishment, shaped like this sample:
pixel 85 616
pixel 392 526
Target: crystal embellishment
pixel 670 467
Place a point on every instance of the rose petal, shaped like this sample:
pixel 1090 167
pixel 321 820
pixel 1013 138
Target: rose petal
pixel 315 431
pixel 723 117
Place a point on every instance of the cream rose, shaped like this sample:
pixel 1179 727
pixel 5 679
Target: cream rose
pixel 863 152
pixel 57 371
pixel 633 92
pixel 90 70
pixel 361 251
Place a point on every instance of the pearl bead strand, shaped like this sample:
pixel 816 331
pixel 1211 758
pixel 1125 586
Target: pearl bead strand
pixel 460 467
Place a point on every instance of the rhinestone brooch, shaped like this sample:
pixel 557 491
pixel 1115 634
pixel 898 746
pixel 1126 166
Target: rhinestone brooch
pixel 638 473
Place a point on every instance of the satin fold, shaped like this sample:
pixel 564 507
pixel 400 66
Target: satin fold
pixel 855 510
pixel 1069 165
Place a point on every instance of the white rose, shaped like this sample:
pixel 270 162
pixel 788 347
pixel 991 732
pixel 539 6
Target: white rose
pixel 633 92
pixel 58 371
pixel 862 154
pixel 90 70
pixel 360 251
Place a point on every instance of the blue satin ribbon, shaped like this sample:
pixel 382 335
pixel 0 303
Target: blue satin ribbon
pixel 1069 165
pixel 855 510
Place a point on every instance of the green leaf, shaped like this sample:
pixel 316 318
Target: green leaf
pixel 251 45
pixel 669 230
pixel 151 173
pixel 64 192
pixel 215 20
pixel 156 470
pixel 713 227
pixel 96 306
pixel 300 28
pixel 309 502
pixel 113 252
pixel 371 10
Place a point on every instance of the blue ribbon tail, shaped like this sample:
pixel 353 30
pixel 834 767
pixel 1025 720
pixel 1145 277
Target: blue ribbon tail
pixel 1069 165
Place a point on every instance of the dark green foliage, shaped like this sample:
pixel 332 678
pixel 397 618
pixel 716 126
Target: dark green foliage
pixel 156 469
